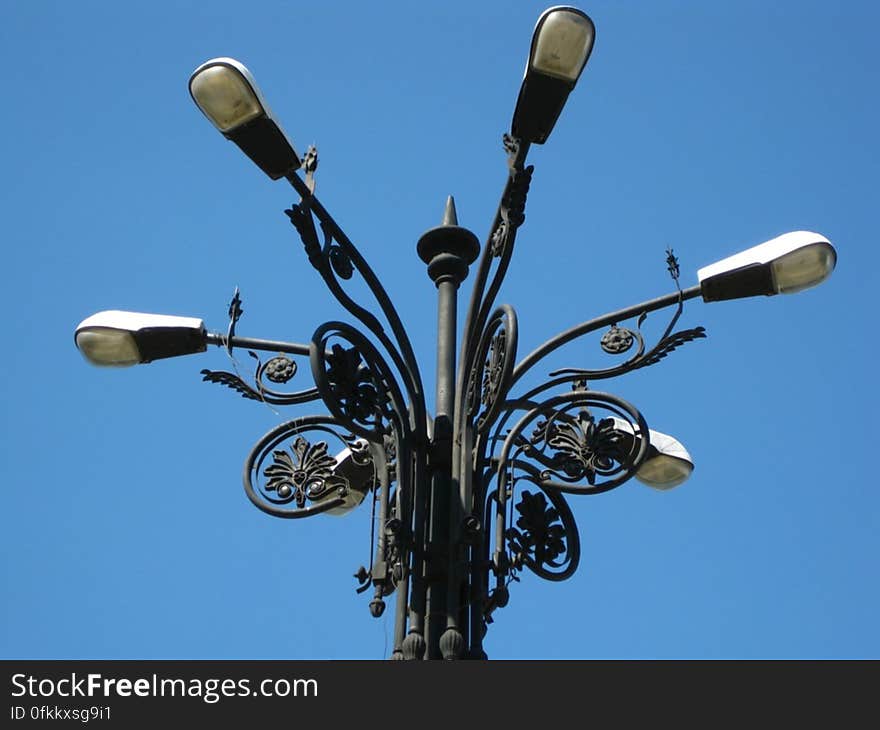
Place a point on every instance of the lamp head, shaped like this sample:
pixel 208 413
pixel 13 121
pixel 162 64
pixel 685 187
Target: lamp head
pixel 667 463
pixel 120 339
pixel 228 96
pixel 561 45
pixel 789 263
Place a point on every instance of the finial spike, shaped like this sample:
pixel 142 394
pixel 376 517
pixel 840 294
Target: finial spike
pixel 450 217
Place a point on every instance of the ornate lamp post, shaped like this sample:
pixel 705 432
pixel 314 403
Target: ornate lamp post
pixel 469 496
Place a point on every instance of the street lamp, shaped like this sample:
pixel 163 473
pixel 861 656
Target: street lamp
pixel 121 339
pixel 467 497
pixel 561 45
pixel 227 94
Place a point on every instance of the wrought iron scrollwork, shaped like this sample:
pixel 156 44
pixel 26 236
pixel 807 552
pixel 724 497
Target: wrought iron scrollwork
pixel 545 537
pixel 338 259
pixel 620 339
pixel 305 471
pixel 279 369
pixel 288 475
pixel 581 442
pixel 496 354
pixel 579 446
pixel 573 444
pixel 355 382
pixel 512 210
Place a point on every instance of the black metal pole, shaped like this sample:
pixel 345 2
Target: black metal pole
pixel 448 250
pixel 439 465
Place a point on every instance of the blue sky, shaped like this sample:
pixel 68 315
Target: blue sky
pixel 708 127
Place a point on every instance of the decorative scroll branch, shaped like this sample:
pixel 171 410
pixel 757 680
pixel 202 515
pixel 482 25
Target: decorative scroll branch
pixel 490 377
pixel 502 236
pixel 279 369
pixel 545 537
pixel 358 387
pixel 641 359
pixel 356 383
pixel 287 475
pixel 617 340
pixel 337 259
pixel 301 480
pixel 572 444
pixel 555 446
pixel 474 346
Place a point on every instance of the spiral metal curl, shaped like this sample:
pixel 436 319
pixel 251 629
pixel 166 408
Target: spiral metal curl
pixel 573 445
pixel 544 538
pixel 302 480
pixel 495 358
pixel 278 369
pixel 355 383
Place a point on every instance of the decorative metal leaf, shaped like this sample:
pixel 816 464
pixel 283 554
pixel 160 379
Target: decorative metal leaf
pixel 515 200
pixel 672 342
pixel 301 218
pixel 231 381
pixel 672 265
pixel 540 532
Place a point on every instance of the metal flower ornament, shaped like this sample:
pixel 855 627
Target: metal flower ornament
pixel 467 497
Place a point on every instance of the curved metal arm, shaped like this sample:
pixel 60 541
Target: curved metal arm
pixel 279 369
pixel 592 325
pixel 333 261
pixel 499 244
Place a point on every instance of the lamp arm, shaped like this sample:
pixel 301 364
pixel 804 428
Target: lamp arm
pixel 278 369
pixel 554 343
pixel 499 244
pixel 337 259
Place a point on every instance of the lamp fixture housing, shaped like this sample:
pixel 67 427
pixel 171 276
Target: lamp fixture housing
pixel 786 264
pixel 119 339
pixel 561 46
pixel 228 96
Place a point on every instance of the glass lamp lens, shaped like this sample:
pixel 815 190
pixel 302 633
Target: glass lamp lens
pixel 664 472
pixel 563 44
pixel 108 347
pixel 803 268
pixel 225 97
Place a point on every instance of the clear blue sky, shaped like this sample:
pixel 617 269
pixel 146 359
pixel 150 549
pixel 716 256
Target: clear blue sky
pixel 709 127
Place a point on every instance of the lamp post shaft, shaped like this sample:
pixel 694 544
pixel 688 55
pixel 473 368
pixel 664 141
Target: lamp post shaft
pixel 441 504
pixel 448 250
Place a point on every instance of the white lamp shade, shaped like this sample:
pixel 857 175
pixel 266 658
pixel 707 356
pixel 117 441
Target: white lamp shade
pixel 667 462
pixel 786 264
pixel 119 339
